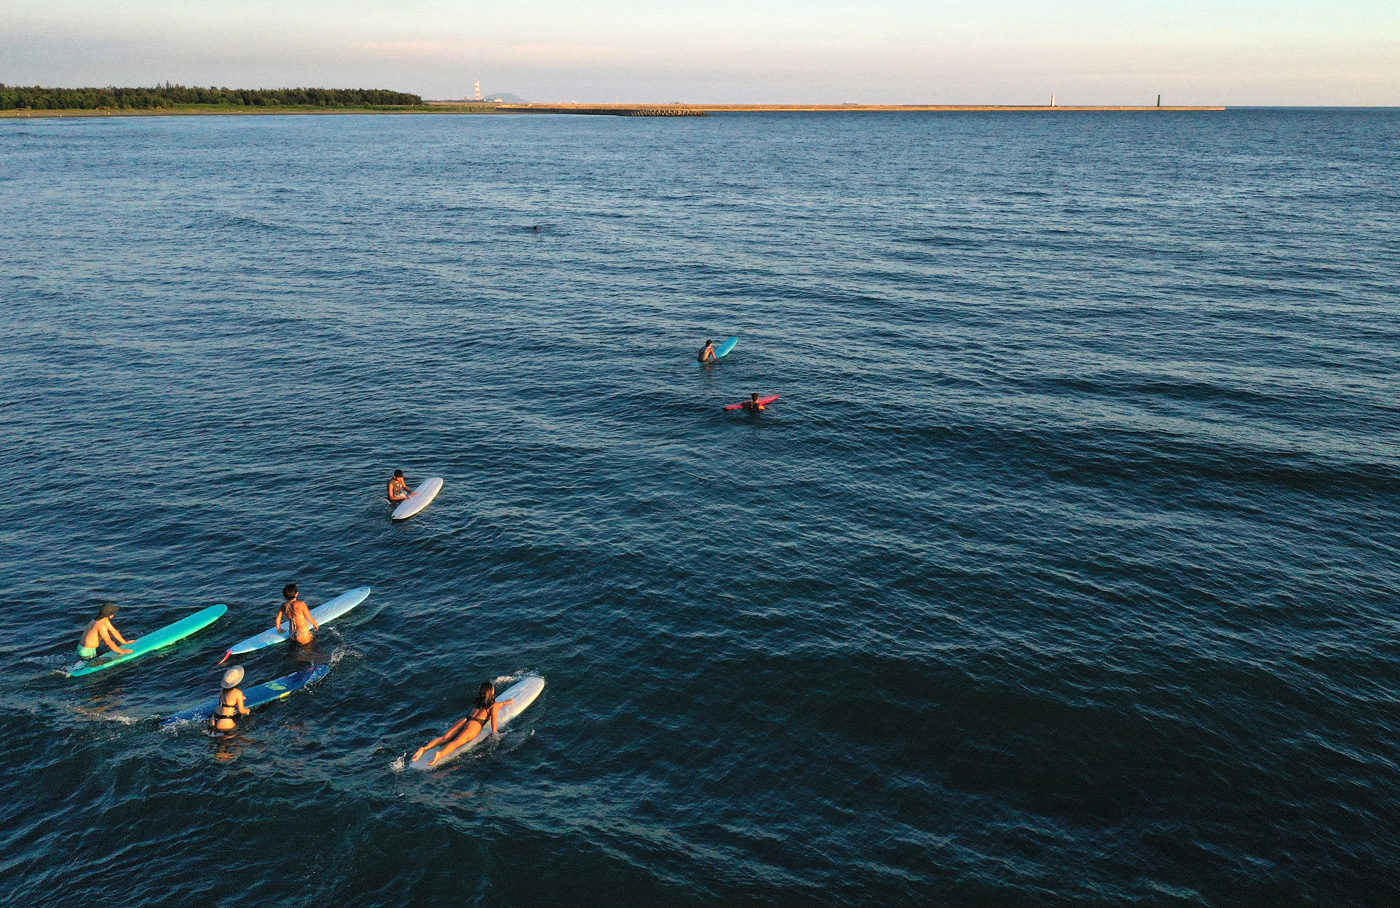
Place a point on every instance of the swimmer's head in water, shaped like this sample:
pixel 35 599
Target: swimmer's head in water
pixel 107 610
pixel 233 677
pixel 486 695
pixel 290 591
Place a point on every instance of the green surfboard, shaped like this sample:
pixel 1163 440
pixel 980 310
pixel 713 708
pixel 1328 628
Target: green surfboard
pixel 152 641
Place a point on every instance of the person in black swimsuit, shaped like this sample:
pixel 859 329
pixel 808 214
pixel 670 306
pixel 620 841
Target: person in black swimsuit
pixel 230 701
pixel 484 709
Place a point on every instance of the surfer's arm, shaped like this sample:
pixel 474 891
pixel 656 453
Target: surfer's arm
pixel 107 633
pixel 495 711
pixel 278 623
pixel 240 705
pixel 310 617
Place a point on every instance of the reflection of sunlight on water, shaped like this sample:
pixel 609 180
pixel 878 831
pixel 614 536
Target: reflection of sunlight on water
pixel 228 745
pixel 105 706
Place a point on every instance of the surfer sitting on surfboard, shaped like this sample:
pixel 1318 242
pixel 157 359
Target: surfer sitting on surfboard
pixel 102 630
pixel 231 702
pixel 707 352
pixel 398 488
pixel 485 707
pixel 297 616
pixel 753 403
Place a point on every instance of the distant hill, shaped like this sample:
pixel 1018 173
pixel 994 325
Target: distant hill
pixel 505 98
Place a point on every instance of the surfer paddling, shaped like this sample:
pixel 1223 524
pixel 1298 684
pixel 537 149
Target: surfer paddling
pixel 231 704
pixel 398 489
pixel 100 631
pixel 297 616
pixel 485 708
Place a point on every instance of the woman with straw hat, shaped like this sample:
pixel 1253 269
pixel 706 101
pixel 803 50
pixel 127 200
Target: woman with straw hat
pixel 230 701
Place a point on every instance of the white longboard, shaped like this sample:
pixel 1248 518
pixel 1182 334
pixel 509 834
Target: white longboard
pixel 420 499
pixel 328 611
pixel 522 692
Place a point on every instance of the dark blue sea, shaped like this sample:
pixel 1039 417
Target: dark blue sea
pixel 1063 573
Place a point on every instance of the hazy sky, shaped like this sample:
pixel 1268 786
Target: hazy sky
pixel 935 51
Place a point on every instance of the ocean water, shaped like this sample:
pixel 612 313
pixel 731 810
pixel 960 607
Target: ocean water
pixel 1064 572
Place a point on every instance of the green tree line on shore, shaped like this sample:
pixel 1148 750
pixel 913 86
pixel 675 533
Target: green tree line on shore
pixel 14 97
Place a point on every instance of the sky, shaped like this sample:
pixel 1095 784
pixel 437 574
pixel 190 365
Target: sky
pixel 1233 52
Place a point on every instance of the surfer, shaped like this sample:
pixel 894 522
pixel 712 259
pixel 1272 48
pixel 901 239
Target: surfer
pixel 707 353
pixel 753 404
pixel 297 616
pixel 102 630
pixel 485 707
pixel 231 703
pixel 398 489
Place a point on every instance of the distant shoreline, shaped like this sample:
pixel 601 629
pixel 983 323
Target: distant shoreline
pixel 624 110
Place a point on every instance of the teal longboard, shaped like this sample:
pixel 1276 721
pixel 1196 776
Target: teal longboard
pixel 254 697
pixel 328 611
pixel 153 641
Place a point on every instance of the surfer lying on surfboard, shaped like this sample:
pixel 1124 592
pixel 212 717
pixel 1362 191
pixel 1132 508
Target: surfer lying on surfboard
pixel 485 707
pixel 398 489
pixel 102 630
pixel 297 616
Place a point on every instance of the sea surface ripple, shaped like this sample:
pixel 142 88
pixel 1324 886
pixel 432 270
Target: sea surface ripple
pixel 1064 572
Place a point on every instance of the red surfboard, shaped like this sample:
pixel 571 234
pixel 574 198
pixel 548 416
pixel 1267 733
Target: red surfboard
pixel 763 400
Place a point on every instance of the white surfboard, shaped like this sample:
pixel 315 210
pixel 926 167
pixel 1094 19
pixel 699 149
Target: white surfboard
pixel 523 692
pixel 420 499
pixel 327 611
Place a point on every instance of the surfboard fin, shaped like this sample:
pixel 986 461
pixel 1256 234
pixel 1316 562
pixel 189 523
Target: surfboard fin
pixel 225 658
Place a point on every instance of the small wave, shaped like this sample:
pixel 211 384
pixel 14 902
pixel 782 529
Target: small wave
pixel 343 652
pixel 399 764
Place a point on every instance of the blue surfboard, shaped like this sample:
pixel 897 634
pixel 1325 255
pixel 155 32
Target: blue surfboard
pixel 722 350
pixel 254 697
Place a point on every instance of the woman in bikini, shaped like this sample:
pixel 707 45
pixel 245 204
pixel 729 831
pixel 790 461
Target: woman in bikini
pixel 230 702
pixel 484 709
pixel 297 615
